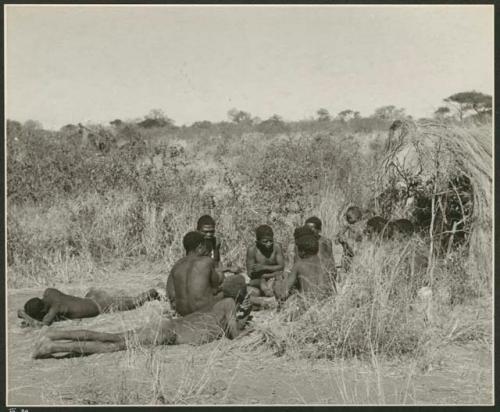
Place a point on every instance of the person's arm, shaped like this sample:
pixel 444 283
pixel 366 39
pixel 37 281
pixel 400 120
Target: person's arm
pixel 171 290
pixel 270 269
pixel 218 243
pixel 216 277
pixel 122 303
pixel 292 277
pixel 51 315
pixel 251 263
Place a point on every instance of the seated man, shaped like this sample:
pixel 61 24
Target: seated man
pixel 206 225
pixel 193 283
pixel 325 247
pixel 309 276
pixel 195 329
pixel 265 265
pixel 55 305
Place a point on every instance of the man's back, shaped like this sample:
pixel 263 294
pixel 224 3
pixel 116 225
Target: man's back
pixel 195 282
pixel 67 306
pixel 312 276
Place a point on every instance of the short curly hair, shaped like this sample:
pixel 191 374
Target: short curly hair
pixel 308 244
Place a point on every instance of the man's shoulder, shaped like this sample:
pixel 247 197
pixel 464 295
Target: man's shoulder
pixel 251 248
pixel 325 240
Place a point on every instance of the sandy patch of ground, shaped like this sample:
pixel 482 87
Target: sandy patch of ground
pixel 222 372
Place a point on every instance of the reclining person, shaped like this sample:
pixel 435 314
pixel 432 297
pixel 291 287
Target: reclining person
pixel 55 305
pixel 196 328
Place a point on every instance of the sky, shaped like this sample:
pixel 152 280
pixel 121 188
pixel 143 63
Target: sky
pixel 70 64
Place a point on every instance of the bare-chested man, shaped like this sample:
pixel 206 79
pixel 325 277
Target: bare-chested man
pixel 206 225
pixel 193 283
pixel 308 275
pixel 55 305
pixel 196 328
pixel 325 246
pixel 265 264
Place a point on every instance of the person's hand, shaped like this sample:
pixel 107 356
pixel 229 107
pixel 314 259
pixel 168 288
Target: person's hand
pixel 257 268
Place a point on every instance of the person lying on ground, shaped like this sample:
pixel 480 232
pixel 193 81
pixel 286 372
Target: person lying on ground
pixel 197 328
pixel 56 306
pixel 265 264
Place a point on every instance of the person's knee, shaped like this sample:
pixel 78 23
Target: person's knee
pixel 253 291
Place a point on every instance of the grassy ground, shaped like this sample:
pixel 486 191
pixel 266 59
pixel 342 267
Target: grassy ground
pixel 232 372
pixel 77 218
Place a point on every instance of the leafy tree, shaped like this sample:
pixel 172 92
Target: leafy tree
pixel 13 128
pixel 156 118
pixel 116 123
pixel 32 125
pixel 390 112
pixel 203 124
pixel 273 125
pixel 323 115
pixel 239 116
pixel 347 114
pixel 465 101
pixel 442 112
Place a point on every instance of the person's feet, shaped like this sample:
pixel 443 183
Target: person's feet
pixel 43 348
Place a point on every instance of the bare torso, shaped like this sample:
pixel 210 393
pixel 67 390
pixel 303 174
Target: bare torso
pixel 312 276
pixel 194 282
pixel 70 307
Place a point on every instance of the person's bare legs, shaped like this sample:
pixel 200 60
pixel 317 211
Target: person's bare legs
pixel 122 303
pixel 109 303
pixel 86 342
pixel 47 347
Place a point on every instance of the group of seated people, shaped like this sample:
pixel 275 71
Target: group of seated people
pixel 211 300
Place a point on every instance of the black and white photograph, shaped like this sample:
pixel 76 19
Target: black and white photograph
pixel 248 205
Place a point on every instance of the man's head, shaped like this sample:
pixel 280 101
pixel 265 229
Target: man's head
pixel 35 308
pixel 206 225
pixel 307 245
pixel 195 243
pixel 315 224
pixel 353 214
pixel 303 231
pixel 265 237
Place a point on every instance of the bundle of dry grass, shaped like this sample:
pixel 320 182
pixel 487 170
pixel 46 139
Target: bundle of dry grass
pixel 372 314
pixel 434 158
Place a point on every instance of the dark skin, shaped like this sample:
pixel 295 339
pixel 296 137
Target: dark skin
pixel 214 241
pixel 264 258
pixel 325 248
pixel 195 329
pixel 57 305
pixel 308 275
pixel 194 283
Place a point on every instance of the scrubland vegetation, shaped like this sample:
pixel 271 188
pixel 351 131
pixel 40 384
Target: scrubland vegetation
pixel 75 206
